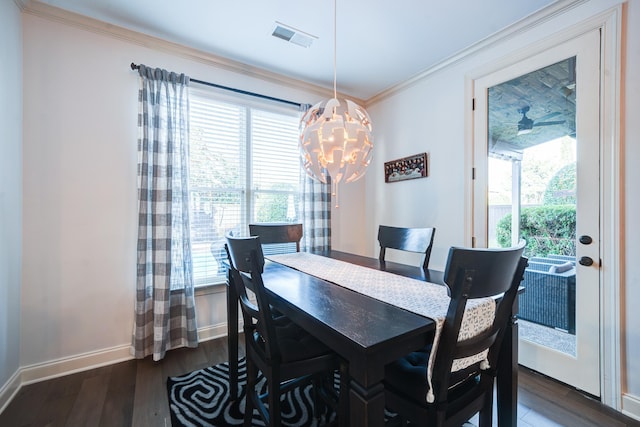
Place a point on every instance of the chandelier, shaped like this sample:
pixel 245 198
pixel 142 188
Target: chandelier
pixel 335 137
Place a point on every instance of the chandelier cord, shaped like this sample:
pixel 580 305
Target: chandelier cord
pixel 335 47
pixel 335 135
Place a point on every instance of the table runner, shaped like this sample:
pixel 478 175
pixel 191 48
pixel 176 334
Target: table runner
pixel 423 298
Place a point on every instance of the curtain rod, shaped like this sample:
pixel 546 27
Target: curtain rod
pixel 244 92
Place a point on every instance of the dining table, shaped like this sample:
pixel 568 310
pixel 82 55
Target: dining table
pixel 366 332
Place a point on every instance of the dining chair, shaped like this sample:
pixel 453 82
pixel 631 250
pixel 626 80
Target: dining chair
pixel 285 353
pixel 277 237
pixel 419 240
pixel 458 395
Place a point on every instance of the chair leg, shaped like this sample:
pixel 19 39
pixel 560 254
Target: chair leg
pixel 274 400
pixel 486 413
pixel 250 395
pixel 317 382
pixel 343 399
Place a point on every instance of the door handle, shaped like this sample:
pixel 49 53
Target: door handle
pixel 585 240
pixel 586 261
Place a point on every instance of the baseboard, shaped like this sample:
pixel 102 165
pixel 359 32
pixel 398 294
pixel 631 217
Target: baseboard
pixel 212 332
pixel 631 406
pixel 70 365
pixel 57 368
pixel 9 390
pixel 96 359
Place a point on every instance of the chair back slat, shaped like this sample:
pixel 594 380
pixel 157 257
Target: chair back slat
pixel 493 268
pixel 239 250
pixel 418 240
pixel 277 234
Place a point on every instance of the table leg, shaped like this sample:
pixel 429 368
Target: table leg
pixel 232 337
pixel 507 378
pixel 366 405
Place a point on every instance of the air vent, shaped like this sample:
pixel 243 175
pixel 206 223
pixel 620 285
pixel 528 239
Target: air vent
pixel 293 35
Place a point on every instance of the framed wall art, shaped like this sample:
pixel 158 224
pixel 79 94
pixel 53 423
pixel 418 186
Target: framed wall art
pixel 406 168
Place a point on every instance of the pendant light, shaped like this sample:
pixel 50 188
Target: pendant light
pixel 335 137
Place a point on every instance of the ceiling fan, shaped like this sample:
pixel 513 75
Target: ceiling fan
pixel 525 125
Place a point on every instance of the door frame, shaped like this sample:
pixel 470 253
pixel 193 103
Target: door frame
pixel 611 213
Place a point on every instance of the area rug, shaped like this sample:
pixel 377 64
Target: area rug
pixel 201 398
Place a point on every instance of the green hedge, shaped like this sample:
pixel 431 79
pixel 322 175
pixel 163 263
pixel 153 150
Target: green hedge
pixel 561 189
pixel 546 229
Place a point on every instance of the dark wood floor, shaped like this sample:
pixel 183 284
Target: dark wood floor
pixel 133 393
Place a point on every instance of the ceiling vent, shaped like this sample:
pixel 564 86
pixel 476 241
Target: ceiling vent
pixel 293 35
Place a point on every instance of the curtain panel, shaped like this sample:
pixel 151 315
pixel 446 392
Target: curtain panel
pixel 316 214
pixel 315 209
pixel 165 304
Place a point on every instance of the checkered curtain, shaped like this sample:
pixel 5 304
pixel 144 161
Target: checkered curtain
pixel 316 215
pixel 165 305
pixel 315 209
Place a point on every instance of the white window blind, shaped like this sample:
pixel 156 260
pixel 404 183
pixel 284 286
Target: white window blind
pixel 244 167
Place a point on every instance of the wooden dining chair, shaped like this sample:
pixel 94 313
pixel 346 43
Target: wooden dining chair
pixel 458 396
pixel 419 240
pixel 285 353
pixel 277 237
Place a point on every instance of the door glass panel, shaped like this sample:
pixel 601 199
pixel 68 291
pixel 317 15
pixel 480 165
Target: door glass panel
pixel 532 194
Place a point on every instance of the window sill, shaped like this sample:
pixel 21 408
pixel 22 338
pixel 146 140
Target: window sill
pixel 214 288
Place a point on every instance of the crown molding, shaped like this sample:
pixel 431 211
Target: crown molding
pixel 52 13
pixel 22 4
pixel 522 26
pixel 45 11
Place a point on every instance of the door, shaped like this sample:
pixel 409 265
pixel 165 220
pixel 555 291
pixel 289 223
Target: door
pixel 537 177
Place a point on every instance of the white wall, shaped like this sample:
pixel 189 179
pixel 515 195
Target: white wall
pixel 10 194
pixel 349 219
pixel 80 138
pixel 429 115
pixel 426 118
pixel 79 202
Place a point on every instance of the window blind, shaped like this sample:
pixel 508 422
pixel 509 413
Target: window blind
pixel 244 167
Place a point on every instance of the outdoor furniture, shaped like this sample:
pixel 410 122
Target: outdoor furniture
pixel 548 260
pixel 571 258
pixel 549 298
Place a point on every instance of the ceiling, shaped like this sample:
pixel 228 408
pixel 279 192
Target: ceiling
pixel 532 109
pixel 379 44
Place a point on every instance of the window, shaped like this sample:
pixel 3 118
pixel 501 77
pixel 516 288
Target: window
pixel 244 167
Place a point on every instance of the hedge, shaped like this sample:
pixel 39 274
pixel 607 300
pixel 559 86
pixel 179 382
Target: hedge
pixel 546 229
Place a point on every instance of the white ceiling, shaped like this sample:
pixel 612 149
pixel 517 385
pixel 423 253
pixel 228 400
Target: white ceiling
pixel 380 43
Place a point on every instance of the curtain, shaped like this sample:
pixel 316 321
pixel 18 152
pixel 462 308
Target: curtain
pixel 315 209
pixel 316 214
pixel 165 305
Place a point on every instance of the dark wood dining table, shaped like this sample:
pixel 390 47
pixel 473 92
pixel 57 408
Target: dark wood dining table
pixel 366 332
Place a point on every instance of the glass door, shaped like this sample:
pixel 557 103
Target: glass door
pixel 537 158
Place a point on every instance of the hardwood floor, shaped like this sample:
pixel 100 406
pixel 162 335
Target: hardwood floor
pixel 133 393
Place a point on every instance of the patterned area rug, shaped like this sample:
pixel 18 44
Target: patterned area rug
pixel 201 398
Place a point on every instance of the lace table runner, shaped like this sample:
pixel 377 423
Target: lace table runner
pixel 423 298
